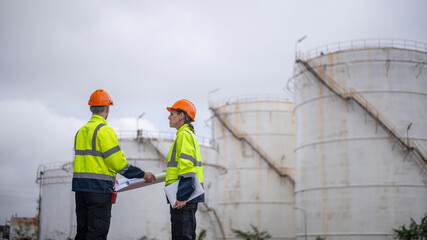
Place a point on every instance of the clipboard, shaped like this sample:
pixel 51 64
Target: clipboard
pixel 125 184
pixel 172 189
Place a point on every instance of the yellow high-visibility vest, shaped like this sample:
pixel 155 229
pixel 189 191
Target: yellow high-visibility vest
pixel 184 158
pixel 98 157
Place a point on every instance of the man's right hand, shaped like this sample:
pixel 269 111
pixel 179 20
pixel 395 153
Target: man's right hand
pixel 149 177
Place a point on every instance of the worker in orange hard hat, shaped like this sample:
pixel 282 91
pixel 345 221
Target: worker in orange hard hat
pixel 97 159
pixel 100 98
pixel 186 107
pixel 184 165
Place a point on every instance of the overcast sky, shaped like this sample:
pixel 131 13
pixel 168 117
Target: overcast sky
pixel 147 55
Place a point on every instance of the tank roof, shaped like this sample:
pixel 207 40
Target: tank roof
pixel 364 44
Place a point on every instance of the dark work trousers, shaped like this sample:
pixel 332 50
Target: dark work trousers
pixel 93 212
pixel 184 222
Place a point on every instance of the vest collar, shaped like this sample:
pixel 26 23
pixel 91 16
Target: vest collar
pixel 183 128
pixel 97 118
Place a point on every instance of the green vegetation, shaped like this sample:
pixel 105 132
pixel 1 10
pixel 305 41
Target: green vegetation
pixel 146 238
pixel 202 235
pixel 254 235
pixel 414 231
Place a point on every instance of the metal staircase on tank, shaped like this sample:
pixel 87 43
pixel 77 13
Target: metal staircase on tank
pixel 410 146
pixel 283 172
pixel 156 145
pixel 155 142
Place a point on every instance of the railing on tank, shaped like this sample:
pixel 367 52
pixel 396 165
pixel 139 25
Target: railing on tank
pixel 250 98
pixel 364 44
pixel 159 135
pixel 131 134
pixel 42 168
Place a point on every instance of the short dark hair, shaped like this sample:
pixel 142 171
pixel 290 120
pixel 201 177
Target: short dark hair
pixel 98 109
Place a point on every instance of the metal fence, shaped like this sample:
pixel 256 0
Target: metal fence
pixel 159 135
pixel 250 98
pixel 364 44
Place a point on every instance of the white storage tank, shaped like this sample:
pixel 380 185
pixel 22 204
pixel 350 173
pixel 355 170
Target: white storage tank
pixel 352 179
pixel 137 213
pixel 255 139
pixel 57 215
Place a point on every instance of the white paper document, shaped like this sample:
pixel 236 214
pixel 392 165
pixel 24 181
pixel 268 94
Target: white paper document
pixel 172 189
pixel 125 184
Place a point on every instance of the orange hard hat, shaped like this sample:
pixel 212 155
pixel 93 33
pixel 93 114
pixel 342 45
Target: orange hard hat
pixel 100 98
pixel 185 106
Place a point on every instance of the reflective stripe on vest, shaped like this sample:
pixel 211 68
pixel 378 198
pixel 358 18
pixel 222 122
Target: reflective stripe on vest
pixel 186 175
pixel 93 176
pixel 188 157
pixel 194 161
pixel 174 163
pixel 191 138
pixel 124 169
pixel 93 152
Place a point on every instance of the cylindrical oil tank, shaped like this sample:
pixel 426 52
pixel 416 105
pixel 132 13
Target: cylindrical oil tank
pixel 354 181
pixel 140 213
pixel 255 139
pixel 56 202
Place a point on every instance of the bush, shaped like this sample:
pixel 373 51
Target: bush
pixel 202 235
pixel 414 232
pixel 255 235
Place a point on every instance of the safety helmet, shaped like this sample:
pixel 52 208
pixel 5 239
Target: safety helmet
pixel 100 98
pixel 185 106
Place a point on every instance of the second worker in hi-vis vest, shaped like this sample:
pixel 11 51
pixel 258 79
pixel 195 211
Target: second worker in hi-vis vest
pixel 97 159
pixel 184 164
